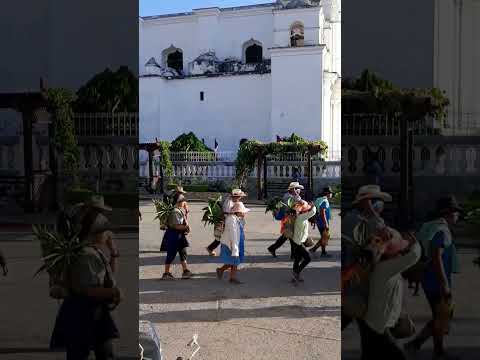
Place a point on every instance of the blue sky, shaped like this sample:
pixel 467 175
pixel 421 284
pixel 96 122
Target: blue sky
pixel 159 7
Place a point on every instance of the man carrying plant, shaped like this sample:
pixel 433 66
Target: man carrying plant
pixel 441 261
pixel 294 190
pixel 235 197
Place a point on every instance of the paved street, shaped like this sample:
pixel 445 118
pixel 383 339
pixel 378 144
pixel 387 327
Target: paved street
pixel 265 318
pixel 464 338
pixel 27 313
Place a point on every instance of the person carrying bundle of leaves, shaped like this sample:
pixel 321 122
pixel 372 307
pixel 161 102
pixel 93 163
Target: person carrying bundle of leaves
pixel 91 287
pixel 290 197
pixel 235 197
pixel 174 240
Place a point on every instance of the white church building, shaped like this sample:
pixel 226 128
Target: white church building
pixel 253 71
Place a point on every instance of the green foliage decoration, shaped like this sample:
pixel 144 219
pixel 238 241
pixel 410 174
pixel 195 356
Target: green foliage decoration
pixel 109 91
pixel 188 142
pixel 372 94
pixel 163 209
pixel 165 158
pixel 59 103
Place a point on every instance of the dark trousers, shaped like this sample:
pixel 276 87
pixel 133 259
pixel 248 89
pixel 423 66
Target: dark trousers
pixel 182 253
pixel 301 257
pixel 378 346
pixel 214 244
pixel 102 352
pixel 277 244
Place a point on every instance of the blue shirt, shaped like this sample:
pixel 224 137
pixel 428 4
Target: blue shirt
pixel 430 282
pixel 322 203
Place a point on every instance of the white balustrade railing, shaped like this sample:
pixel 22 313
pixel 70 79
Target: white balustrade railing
pixel 193 156
pixel 428 159
pixel 106 124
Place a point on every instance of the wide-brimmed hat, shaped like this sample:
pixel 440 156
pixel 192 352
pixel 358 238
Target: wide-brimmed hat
pixel 371 192
pixel 295 185
pixel 448 204
pixel 179 198
pixel 95 201
pixel 179 189
pixel 238 192
pixel 240 208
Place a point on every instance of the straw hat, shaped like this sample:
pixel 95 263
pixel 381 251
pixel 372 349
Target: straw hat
pixel 238 192
pixel 371 192
pixel 240 208
pixel 295 185
pixel 447 205
pixel 179 189
pixel 97 202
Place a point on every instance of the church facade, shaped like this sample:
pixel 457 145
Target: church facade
pixel 258 71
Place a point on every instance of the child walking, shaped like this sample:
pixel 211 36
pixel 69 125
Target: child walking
pixel 175 240
pixel 300 254
pixel 232 242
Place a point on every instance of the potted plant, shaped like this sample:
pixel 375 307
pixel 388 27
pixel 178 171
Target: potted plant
pixel 163 209
pixel 60 249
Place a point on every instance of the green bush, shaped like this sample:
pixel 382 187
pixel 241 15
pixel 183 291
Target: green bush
pixel 196 188
pixel 188 142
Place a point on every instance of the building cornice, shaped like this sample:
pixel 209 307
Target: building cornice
pixel 292 51
pixel 300 10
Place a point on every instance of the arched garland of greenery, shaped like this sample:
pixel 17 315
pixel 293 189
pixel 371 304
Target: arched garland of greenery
pixel 59 103
pixel 371 94
pixel 251 150
pixel 165 158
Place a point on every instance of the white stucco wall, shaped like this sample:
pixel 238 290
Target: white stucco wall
pixel 235 107
pixel 456 59
pixel 297 78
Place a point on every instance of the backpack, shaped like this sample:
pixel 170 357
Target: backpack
pixel 279 214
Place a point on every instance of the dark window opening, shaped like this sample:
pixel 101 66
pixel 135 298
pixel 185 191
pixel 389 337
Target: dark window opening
pixel 202 96
pixel 254 54
pixel 175 61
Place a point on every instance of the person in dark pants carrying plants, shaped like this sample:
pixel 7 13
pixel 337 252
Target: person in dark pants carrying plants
pixel 175 240
pixel 84 322
pixel 440 252
pixel 294 190
pixel 300 254
pixel 323 217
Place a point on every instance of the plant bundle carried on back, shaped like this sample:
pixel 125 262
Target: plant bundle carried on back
pixel 213 215
pixel 277 207
pixel 163 209
pixel 289 219
pixel 60 249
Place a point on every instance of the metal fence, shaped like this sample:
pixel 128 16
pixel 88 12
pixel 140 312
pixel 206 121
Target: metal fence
pixel 106 124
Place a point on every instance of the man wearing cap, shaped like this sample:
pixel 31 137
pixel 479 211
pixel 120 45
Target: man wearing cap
pixel 294 190
pixel 235 196
pixel 439 248
pixel 323 220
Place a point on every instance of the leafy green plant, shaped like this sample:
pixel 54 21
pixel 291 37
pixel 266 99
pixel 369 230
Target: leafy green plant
pixel 163 209
pixel 213 212
pixel 109 91
pixel 59 103
pixel 188 142
pixel 60 250
pixel 165 158
pixel 274 204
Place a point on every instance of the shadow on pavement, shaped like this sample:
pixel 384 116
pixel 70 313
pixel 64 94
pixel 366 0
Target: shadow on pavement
pixel 287 312
pixel 249 259
pixel 259 283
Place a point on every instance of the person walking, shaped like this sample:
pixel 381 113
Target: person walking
pixel 174 240
pixel 323 218
pixel 235 196
pixel 385 300
pixel 84 322
pixel 293 192
pixel 300 254
pixel 233 242
pixel 3 264
pixel 440 253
